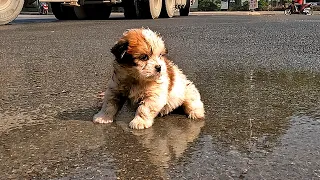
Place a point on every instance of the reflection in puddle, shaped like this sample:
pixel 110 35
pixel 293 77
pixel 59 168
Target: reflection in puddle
pixel 250 105
pixel 250 121
pixel 168 139
pixel 295 155
pixel 252 131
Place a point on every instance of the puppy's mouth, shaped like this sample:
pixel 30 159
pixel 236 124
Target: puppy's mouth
pixel 152 75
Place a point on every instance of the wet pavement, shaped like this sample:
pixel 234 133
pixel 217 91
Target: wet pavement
pixel 258 77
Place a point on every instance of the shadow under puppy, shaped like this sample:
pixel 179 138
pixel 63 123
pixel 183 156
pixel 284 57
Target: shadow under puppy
pixel 143 74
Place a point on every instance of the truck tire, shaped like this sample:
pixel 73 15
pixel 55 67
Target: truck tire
pixel 186 9
pixel 130 11
pixel 80 12
pixel 62 12
pixel 168 8
pixel 148 8
pixel 9 10
pixel 28 2
pixel 98 11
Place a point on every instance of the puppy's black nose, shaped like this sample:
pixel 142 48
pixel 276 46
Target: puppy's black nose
pixel 158 68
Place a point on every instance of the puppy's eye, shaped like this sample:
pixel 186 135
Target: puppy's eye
pixel 143 57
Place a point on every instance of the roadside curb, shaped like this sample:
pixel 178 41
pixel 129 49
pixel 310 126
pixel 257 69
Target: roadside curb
pixel 33 13
pixel 208 13
pixel 236 13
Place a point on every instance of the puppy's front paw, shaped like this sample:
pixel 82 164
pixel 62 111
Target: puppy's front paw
pixel 101 118
pixel 139 123
pixel 197 114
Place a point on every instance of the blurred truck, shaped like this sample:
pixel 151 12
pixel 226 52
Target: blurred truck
pixel 99 9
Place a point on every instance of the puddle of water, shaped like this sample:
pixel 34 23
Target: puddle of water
pixel 261 125
pixel 258 122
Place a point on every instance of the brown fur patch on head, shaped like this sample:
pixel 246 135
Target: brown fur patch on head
pixel 142 51
pixel 137 43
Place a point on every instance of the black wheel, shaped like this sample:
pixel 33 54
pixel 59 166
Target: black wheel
pixel 129 8
pixel 9 10
pixel 168 8
pixel 62 12
pixel 309 11
pixel 186 9
pixel 98 12
pixel 80 12
pixel 148 8
pixel 287 11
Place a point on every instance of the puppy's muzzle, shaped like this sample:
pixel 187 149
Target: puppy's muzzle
pixel 158 68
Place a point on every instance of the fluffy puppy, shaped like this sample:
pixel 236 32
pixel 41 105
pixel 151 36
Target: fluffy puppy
pixel 144 75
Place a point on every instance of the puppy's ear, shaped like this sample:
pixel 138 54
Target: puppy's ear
pixel 120 49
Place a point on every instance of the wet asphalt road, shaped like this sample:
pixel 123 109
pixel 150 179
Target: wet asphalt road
pixel 258 77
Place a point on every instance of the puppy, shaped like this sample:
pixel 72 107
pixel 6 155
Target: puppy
pixel 144 75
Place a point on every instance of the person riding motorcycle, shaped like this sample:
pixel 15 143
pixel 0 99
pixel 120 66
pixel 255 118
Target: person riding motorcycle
pixel 42 9
pixel 296 5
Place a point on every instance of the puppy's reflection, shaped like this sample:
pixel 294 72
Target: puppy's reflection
pixel 168 139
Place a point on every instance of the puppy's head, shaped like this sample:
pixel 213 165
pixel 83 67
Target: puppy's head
pixel 141 51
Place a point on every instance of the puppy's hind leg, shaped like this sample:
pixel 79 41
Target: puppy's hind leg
pixel 192 104
pixel 112 103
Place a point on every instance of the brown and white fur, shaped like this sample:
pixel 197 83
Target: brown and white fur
pixel 143 74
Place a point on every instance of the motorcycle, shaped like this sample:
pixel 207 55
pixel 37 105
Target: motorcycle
pixel 305 9
pixel 44 9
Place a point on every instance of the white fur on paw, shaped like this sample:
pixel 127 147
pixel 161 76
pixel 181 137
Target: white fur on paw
pixel 196 114
pixel 101 118
pixel 139 123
